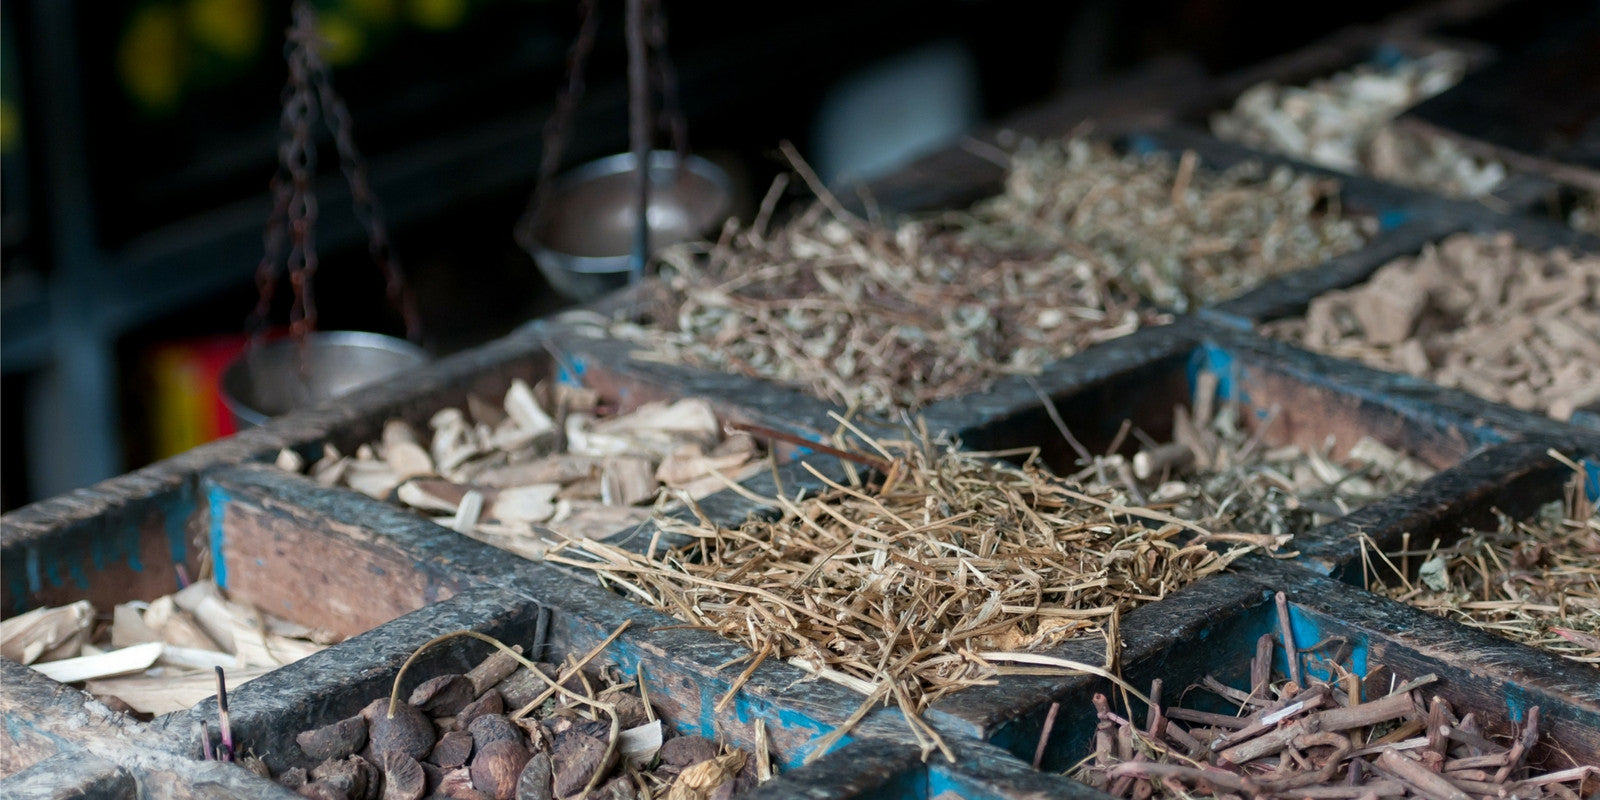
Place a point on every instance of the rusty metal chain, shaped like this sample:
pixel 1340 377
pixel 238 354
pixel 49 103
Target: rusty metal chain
pixel 308 92
pixel 365 204
pixel 297 154
pixel 664 78
pixel 560 123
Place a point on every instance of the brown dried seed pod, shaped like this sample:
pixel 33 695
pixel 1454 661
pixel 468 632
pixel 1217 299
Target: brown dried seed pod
pixel 493 727
pixel 631 712
pixel 682 751
pixel 452 750
pixel 322 790
pixel 618 788
pixel 403 778
pixel 537 779
pixel 455 783
pixel 432 774
pixel 409 731
pixel 497 767
pixel 490 703
pixel 338 740
pixel 576 759
pixel 443 696
pixel 353 777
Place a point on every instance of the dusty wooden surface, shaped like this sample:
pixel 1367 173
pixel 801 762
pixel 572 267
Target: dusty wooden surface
pixel 70 775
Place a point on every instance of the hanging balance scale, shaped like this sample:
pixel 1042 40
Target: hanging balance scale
pixel 592 229
pixel 308 367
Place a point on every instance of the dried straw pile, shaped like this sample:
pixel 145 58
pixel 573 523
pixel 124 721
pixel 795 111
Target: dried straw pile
pixel 896 587
pixel 1183 236
pixel 879 317
pixel 1535 581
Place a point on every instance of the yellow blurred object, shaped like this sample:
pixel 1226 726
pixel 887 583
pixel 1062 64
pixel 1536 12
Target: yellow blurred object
pixel 343 39
pixel 186 406
pixel 229 28
pixel 151 57
pixel 381 13
pixel 10 127
pixel 436 15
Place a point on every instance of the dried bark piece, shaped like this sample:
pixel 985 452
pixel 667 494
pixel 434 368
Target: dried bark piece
pixel 337 740
pixel 520 687
pixel 409 731
pixel 576 758
pixel 628 480
pixel 452 750
pixel 443 696
pixel 497 767
pixel 403 778
pixel 537 779
pixel 493 669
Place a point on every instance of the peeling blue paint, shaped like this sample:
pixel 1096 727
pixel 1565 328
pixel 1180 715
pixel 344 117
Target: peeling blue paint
pixel 217 499
pixel 1307 630
pixel 1388 56
pixel 1211 358
pixel 1141 144
pixel 175 511
pixel 1391 218
pixel 35 581
pixel 574 375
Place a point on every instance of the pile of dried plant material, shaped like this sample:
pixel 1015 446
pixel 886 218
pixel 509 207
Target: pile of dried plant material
pixel 156 657
pixel 1182 235
pixel 912 585
pixel 878 317
pixel 1225 476
pixel 552 457
pixel 1477 313
pixel 512 728
pixel 1535 581
pixel 1345 123
pixel 1306 737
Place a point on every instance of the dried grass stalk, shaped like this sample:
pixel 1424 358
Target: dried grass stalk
pixel 1183 235
pixel 932 307
pixel 1535 581
pixel 1345 122
pixel 893 588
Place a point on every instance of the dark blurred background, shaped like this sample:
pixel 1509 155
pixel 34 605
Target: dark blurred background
pixel 138 137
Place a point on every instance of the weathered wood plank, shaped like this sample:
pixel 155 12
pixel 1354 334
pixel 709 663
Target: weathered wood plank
pixel 70 775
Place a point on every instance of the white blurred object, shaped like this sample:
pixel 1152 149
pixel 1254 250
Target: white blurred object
pixel 894 110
